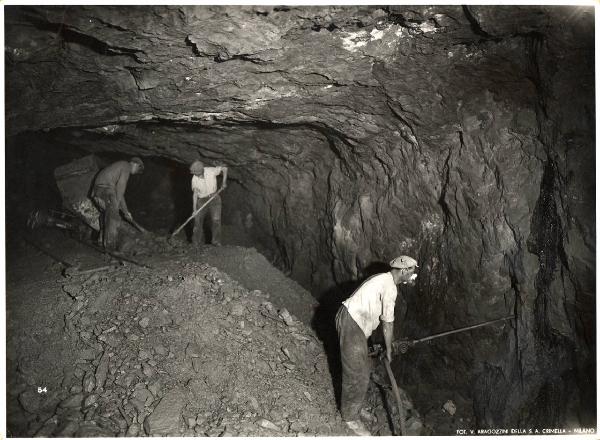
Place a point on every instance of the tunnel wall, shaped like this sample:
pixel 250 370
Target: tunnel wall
pixel 463 136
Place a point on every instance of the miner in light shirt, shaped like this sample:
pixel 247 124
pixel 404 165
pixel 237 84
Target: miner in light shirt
pixel 204 186
pixel 373 302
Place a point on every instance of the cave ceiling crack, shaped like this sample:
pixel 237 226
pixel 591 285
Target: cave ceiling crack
pixel 293 78
pixel 73 34
pixel 112 26
pixel 220 54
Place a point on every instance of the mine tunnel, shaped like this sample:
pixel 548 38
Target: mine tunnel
pixel 461 136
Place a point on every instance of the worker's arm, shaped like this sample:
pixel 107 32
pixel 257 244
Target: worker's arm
pixel 388 301
pixel 388 335
pixel 120 190
pixel 224 172
pixel 194 193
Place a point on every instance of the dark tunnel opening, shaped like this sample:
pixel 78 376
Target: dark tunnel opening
pixel 160 197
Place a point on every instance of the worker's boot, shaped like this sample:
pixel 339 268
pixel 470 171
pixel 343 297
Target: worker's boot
pixel 357 427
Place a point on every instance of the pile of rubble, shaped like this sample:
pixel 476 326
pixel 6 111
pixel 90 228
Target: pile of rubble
pixel 185 350
pixel 188 351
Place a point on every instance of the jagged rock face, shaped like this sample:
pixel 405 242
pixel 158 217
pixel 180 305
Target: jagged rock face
pixel 463 136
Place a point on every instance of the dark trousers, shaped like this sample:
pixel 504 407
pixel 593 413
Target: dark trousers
pixel 110 221
pixel 213 211
pixel 355 364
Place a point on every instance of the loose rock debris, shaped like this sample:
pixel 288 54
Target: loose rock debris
pixel 184 350
pixel 197 355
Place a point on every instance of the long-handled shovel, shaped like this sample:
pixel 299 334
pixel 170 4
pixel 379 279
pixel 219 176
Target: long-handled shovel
pixel 196 212
pixel 396 392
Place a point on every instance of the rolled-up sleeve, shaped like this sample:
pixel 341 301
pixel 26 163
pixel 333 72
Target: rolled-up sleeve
pixel 388 302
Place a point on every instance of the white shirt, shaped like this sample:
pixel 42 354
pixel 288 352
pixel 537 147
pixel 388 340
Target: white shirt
pixel 372 302
pixel 206 186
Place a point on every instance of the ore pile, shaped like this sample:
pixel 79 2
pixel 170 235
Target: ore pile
pixel 187 352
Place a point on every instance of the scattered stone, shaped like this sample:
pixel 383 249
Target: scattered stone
pixel 298 426
pixel 450 407
pixel 287 318
pixel 148 370
pixel 167 415
pixel 74 401
pixel 102 371
pixel 31 401
pixel 191 422
pixel 144 322
pixel 90 400
pixel 268 424
pixel 72 289
pixel 228 432
pixel 160 349
pixel 413 427
pixel 126 380
pixel 88 354
pixel 144 354
pixel 155 387
pixel 66 429
pixel 113 340
pixel 109 330
pixel 47 428
pixel 89 382
pixel 76 389
pixel 237 309
pixel 133 430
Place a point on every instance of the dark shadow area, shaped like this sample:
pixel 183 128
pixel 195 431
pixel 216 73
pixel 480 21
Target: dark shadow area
pixel 160 198
pixel 29 176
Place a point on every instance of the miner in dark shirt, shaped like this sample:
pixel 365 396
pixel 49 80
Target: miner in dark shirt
pixel 109 195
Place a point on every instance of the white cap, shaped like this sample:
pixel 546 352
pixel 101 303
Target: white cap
pixel 403 262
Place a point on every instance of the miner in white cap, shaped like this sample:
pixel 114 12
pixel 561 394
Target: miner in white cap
pixel 373 302
pixel 204 188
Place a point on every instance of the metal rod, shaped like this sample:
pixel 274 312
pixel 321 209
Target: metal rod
pixel 450 332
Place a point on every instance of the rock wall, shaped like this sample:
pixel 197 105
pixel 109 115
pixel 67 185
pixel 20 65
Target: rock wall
pixel 463 136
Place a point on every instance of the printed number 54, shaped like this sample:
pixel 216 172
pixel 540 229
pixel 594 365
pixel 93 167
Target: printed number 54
pixel 42 390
